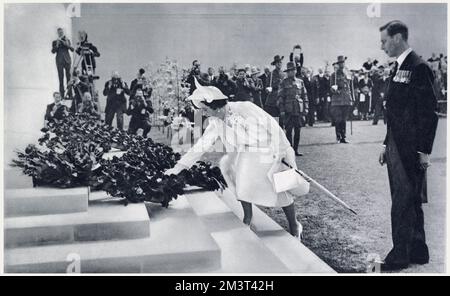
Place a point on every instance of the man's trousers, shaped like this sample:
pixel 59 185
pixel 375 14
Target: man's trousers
pixel 339 115
pixel 63 66
pixel 293 123
pixel 110 111
pixel 407 219
pixel 135 125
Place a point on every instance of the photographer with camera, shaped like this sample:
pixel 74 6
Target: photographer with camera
pixel 88 53
pixel 78 85
pixel 225 84
pixel 61 47
pixel 244 87
pixel 56 110
pixel 139 109
pixel 116 102
pixel 141 82
pixel 88 106
pixel 195 72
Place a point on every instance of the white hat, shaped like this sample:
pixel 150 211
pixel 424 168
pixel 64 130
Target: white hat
pixel 205 94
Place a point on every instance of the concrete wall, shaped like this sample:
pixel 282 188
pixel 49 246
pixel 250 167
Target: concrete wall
pixel 29 69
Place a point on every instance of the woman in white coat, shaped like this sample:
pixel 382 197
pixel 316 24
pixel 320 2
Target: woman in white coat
pixel 254 144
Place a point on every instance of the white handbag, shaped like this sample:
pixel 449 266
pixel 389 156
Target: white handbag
pixel 290 181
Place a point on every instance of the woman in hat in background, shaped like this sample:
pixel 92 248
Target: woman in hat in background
pixel 255 146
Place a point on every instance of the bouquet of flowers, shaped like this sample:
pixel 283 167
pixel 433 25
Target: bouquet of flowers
pixel 70 153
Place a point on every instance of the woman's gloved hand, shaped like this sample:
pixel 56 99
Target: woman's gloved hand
pixel 175 170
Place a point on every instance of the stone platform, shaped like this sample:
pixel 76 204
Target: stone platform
pixel 46 228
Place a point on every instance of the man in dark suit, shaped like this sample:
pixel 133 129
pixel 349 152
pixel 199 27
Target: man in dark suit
pixel 202 78
pixel 61 47
pixel 56 110
pixel 265 79
pixel 141 82
pixel 379 94
pixel 320 85
pixel 411 128
pixel 225 84
pixel 116 101
pixel 276 76
pixel 139 109
pixel 89 52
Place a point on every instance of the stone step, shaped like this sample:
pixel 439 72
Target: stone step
pixel 242 250
pixel 292 253
pixel 104 220
pixel 15 179
pixel 45 201
pixel 179 242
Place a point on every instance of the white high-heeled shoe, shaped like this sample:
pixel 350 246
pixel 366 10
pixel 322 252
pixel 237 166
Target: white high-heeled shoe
pixel 251 226
pixel 299 235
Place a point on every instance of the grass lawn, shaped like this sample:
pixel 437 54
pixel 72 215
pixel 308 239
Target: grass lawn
pixel 351 171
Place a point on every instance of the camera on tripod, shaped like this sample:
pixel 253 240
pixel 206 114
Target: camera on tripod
pixel 90 77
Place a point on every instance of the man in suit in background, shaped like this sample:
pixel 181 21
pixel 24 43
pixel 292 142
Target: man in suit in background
pixel 276 76
pixel 379 94
pixel 56 110
pixel 61 47
pixel 116 101
pixel 265 78
pixel 411 128
pixel 320 84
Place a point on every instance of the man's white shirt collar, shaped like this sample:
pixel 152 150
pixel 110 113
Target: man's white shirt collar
pixel 401 58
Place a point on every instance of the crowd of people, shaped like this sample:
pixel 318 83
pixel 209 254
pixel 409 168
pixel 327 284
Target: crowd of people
pixel 80 88
pixel 296 95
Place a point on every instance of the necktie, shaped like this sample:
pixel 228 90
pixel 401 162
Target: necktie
pixel 395 69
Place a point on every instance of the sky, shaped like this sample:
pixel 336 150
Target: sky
pixel 221 34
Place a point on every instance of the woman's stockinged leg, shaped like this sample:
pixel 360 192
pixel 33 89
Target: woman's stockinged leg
pixel 248 213
pixel 289 211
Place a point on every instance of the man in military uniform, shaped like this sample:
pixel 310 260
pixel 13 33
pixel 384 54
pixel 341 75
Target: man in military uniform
pixel 342 91
pixel 276 76
pixel 293 103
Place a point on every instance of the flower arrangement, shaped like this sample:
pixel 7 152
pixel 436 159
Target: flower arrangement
pixel 70 154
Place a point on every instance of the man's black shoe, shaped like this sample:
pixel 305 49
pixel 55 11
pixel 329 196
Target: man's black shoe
pixel 392 266
pixel 419 254
pixel 298 153
pixel 344 141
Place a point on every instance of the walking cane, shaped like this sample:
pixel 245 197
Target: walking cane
pixel 321 188
pixel 351 115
